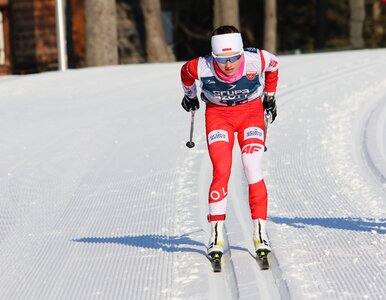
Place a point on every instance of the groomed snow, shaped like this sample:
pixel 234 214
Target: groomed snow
pixel 101 199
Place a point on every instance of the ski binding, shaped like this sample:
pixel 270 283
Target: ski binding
pixel 262 259
pixel 215 258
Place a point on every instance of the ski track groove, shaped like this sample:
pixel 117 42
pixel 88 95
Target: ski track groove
pixel 238 262
pixel 282 288
pixel 262 284
pixel 91 275
pixel 374 153
pixel 222 285
pixel 311 155
pixel 54 199
pixel 293 86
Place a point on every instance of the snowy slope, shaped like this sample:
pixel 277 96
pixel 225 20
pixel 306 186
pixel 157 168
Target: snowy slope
pixel 100 198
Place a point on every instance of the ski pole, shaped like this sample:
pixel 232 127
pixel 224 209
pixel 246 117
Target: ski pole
pixel 190 144
pixel 267 118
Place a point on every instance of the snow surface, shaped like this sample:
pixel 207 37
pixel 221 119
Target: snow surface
pixel 101 199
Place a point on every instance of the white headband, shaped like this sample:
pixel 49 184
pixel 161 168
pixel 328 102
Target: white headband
pixel 224 43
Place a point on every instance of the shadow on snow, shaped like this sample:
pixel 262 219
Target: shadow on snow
pixel 354 224
pixel 150 241
pixel 153 241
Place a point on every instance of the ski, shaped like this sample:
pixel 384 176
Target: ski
pixel 262 259
pixel 215 258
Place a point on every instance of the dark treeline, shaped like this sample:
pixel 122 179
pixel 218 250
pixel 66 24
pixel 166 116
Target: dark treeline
pixel 305 26
pixel 104 32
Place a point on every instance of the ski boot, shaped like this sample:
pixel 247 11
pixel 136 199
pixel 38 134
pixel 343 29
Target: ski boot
pixel 216 244
pixel 261 242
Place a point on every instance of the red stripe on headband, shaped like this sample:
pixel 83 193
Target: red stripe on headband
pixel 227 49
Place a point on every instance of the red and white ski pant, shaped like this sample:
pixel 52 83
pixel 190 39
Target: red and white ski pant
pixel 221 124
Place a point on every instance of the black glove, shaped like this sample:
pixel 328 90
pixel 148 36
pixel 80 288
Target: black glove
pixel 190 103
pixel 269 104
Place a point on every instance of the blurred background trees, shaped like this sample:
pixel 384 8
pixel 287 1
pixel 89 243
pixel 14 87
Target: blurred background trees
pixel 157 49
pixel 270 23
pixel 226 12
pixel 280 26
pixel 357 18
pixel 103 32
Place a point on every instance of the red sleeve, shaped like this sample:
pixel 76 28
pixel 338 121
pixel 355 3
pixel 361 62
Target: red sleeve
pixel 189 72
pixel 271 79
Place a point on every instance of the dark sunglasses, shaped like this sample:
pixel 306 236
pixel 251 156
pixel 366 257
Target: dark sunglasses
pixel 224 59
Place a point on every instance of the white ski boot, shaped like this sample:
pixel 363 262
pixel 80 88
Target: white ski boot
pixel 260 238
pixel 216 241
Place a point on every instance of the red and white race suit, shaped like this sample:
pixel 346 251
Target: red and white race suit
pixel 234 107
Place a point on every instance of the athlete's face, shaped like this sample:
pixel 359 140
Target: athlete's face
pixel 228 63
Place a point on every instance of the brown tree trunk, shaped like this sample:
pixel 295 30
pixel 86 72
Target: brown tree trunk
pixel 157 49
pixel 357 19
pixel 226 12
pixel 377 26
pixel 101 33
pixel 270 24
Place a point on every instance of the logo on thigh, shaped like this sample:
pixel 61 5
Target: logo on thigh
pixel 218 136
pixel 253 133
pixel 250 149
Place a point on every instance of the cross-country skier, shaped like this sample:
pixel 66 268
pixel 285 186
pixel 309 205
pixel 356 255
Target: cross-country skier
pixel 237 85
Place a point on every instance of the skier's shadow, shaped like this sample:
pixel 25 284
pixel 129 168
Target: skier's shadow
pixel 353 224
pixel 165 243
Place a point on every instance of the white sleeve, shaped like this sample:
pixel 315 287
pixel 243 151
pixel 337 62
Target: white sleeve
pixel 271 63
pixel 190 91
